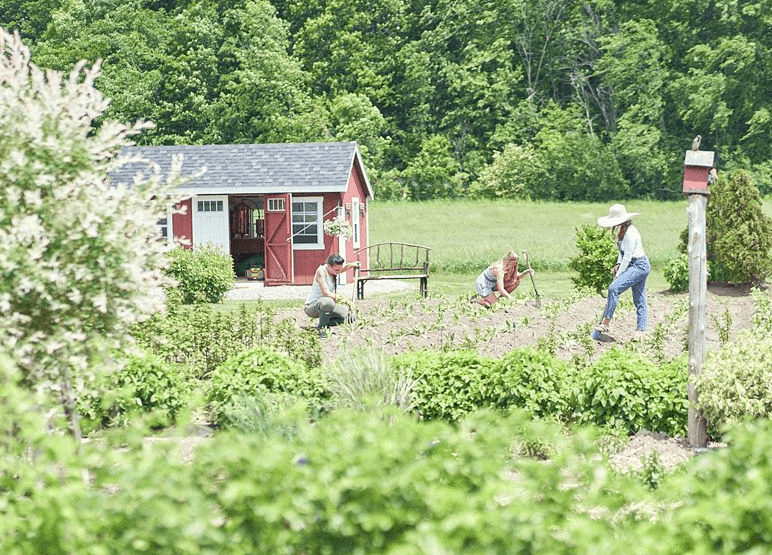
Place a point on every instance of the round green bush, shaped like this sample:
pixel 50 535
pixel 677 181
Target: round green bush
pixel 146 384
pixel 257 371
pixel 677 274
pixel 533 380
pixel 203 275
pixel 448 386
pixel 622 389
pixel 597 254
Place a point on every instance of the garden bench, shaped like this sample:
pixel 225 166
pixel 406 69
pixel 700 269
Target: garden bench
pixel 391 260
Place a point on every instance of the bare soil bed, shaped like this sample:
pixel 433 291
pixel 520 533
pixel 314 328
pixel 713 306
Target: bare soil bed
pixel 398 325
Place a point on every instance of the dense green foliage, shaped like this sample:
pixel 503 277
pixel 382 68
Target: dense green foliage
pixel 145 384
pixel 624 390
pixel 567 100
pixel 198 339
pixel 256 371
pixel 532 380
pixel 203 275
pixel 597 255
pixel 677 273
pixel 738 232
pixel 448 385
pixel 621 389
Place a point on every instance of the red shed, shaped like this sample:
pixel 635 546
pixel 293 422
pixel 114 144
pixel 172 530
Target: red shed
pixel 266 204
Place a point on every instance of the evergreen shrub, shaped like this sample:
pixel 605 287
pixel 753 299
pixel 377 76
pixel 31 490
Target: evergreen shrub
pixel 738 232
pixel 203 275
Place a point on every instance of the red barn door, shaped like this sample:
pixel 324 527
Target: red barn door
pixel 278 243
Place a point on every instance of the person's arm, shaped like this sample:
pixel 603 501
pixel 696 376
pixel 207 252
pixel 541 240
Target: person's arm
pixel 499 272
pixel 321 279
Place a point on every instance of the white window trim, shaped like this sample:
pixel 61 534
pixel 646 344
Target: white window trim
pixel 355 221
pixel 319 245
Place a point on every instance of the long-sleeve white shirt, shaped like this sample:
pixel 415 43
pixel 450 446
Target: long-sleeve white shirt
pixel 630 247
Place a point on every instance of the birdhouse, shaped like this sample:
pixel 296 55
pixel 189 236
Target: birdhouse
pixel 697 166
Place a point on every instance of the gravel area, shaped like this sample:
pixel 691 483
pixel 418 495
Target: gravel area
pixel 249 290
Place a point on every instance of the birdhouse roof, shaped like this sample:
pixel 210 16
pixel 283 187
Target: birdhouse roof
pixel 699 158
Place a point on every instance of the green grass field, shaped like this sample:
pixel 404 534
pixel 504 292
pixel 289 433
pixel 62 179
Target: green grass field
pixel 465 236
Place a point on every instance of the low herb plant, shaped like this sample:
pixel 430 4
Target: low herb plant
pixel 258 371
pixel 530 379
pixel 626 390
pixel 448 385
pixel 145 384
pixel 366 380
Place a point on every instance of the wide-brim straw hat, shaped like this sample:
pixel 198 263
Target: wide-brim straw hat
pixel 616 215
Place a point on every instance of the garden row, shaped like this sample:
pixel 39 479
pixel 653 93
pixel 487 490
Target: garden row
pixel 227 361
pixel 371 483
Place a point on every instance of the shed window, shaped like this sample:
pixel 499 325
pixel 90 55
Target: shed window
pixel 276 205
pixel 210 206
pixel 307 223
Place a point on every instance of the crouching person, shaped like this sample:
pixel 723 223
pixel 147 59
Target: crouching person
pixel 322 302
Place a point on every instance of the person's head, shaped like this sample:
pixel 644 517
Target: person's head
pixel 509 260
pixel 618 218
pixel 335 264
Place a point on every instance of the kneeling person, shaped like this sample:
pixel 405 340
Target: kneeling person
pixel 322 301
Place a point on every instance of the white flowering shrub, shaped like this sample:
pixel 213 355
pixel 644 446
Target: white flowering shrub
pixel 79 256
pixel 735 383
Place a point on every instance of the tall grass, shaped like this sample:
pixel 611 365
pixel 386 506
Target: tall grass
pixel 466 235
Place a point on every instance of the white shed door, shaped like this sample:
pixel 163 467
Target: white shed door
pixel 210 222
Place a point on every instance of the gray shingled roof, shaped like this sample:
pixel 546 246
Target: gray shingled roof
pixel 253 169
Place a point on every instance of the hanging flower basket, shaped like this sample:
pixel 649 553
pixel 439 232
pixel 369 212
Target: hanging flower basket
pixel 338 226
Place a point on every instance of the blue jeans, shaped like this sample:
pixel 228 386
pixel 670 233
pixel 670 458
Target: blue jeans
pixel 328 311
pixel 633 278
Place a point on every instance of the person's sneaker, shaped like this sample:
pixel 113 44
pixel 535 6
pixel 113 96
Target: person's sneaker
pixel 602 328
pixel 322 333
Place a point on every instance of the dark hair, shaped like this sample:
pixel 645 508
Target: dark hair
pixel 335 259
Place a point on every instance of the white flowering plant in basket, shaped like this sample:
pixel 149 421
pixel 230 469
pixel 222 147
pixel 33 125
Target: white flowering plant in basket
pixel 338 226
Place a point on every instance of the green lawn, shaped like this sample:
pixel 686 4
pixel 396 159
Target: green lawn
pixel 465 236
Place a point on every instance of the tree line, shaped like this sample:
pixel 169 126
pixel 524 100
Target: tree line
pixel 540 99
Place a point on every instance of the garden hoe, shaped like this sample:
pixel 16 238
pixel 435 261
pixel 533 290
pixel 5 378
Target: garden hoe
pixel 536 291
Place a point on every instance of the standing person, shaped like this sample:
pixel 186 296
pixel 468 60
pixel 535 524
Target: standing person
pixel 502 277
pixel 632 267
pixel 322 301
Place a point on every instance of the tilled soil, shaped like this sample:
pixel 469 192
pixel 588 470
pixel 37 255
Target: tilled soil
pixel 396 325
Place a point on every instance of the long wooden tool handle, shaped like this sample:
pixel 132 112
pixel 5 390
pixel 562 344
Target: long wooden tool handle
pixel 528 260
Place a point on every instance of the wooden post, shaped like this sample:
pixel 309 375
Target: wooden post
pixel 698 289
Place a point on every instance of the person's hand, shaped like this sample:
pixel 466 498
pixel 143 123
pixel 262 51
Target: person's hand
pixel 531 271
pixel 614 269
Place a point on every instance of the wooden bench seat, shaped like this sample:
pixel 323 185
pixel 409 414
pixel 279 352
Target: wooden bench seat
pixel 391 260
